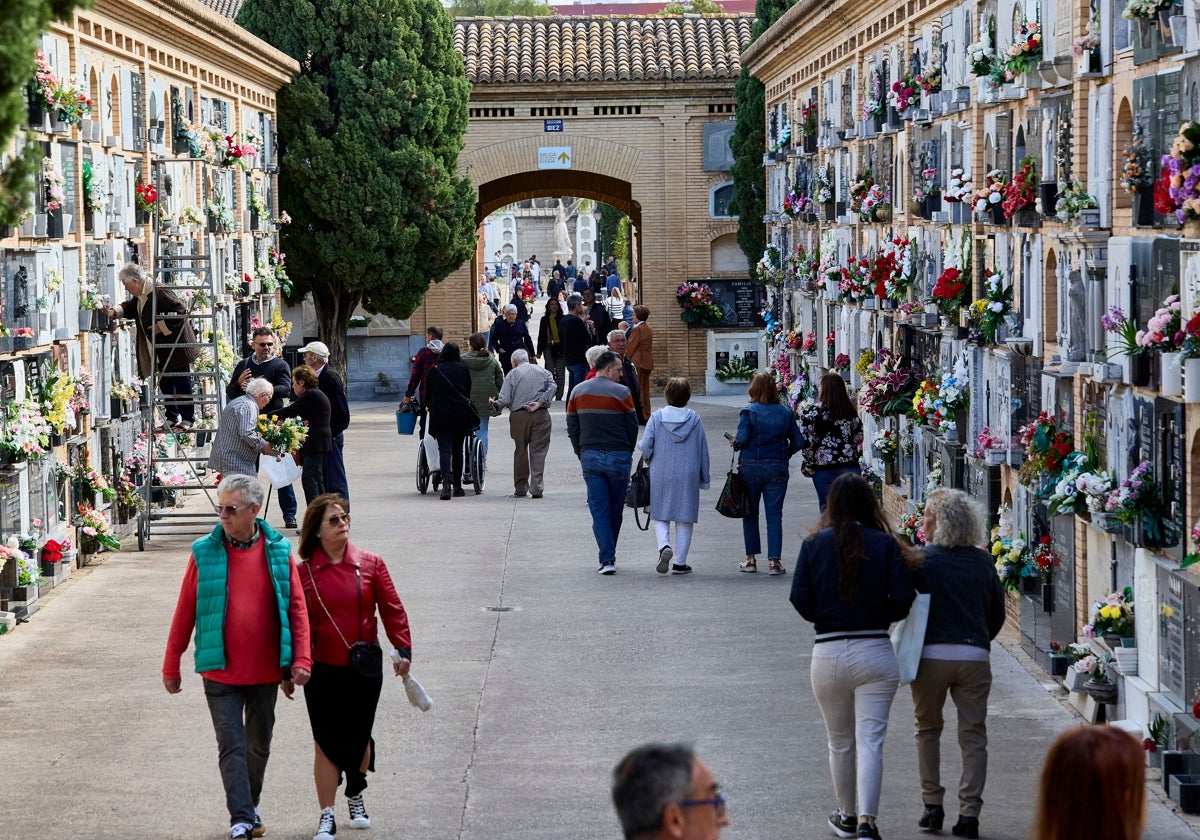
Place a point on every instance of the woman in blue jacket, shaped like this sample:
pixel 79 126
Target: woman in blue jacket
pixel 767 436
pixel 851 582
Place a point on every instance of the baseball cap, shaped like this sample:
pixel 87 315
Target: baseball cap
pixel 318 347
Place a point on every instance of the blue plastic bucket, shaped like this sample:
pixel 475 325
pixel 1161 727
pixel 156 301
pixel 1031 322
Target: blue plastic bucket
pixel 406 422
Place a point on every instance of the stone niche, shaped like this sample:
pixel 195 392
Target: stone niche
pixel 725 346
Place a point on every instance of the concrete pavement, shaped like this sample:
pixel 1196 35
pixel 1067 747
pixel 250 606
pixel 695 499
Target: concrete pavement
pixel 533 705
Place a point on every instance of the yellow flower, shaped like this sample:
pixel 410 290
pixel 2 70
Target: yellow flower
pixel 1168 611
pixel 997 549
pixel 274 418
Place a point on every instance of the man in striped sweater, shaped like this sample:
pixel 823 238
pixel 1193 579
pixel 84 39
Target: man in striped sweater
pixel 602 425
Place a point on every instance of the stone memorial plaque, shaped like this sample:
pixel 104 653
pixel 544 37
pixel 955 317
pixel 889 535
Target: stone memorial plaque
pixel 1143 433
pixel 1170 618
pixel 10 504
pixel 741 301
pixel 751 357
pixel 37 493
pixel 722 358
pixel 1170 469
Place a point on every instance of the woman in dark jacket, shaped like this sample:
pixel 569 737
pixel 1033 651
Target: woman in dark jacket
pixel 966 611
pixel 852 582
pixel 550 345
pixel 451 414
pixel 767 436
pixel 833 436
pixel 510 333
pixel 312 406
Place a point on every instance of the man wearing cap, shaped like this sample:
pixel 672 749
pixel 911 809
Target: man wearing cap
pixel 316 356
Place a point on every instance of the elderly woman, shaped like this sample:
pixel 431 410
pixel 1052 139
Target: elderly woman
pixel 966 611
pixel 677 449
pixel 162 329
pixel 312 406
pixel 508 334
pixel 451 415
pixel 767 436
pixel 237 444
pixel 343 587
pixel 851 582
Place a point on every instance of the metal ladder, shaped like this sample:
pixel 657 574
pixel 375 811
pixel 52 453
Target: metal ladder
pixel 208 393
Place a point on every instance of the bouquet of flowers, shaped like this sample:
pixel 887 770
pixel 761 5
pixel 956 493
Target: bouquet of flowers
pixel 26 435
pixel 873 101
pixel 1164 330
pixel 985 440
pixel 888 386
pixel 125 392
pixel 892 273
pixel 1126 331
pixel 1011 550
pixel 696 301
pixel 1045 559
pixel 959 188
pixel 53 550
pixel 1094 667
pixel 991 192
pixel 865 357
pixel 949 291
pixel 128 495
pixel 886 446
pixel 904 93
pixel 841 362
pixel 1046 446
pixel 87 481
pixel 808 119
pixel 982 58
pixel 1072 200
pixel 29 572
pixel 822 187
pixel 1145 9
pixel 1193 556
pixel 1135 500
pixel 1136 172
pixel 1026 51
pixel 1112 616
pixel 1022 191
pixel 854 284
pixel 912 525
pixel 1178 187
pixel 285 436
pixel 930 77
pixel 72 101
pixel 96 528
pixel 146 197
pixel 859 191
pixel 987 314
pixel 45 80
pixel 54 182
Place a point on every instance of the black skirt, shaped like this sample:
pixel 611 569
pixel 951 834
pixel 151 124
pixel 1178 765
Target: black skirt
pixel 341 710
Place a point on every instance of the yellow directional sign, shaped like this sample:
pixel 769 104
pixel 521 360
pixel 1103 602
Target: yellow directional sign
pixel 554 157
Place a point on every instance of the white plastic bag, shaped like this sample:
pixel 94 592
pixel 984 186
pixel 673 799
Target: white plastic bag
pixel 282 472
pixel 908 638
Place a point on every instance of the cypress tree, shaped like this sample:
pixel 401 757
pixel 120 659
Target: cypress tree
pixel 369 135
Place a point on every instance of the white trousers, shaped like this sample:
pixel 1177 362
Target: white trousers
pixel 683 539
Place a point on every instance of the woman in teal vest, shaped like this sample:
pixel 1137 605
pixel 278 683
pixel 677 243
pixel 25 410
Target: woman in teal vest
pixel 343 586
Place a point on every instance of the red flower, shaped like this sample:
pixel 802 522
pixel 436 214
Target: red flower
pixel 1045 541
pixel 1163 203
pixel 1196 709
pixel 1149 745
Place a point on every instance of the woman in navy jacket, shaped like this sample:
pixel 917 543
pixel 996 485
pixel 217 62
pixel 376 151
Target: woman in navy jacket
pixel 852 581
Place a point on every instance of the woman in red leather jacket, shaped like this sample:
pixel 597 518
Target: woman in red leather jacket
pixel 343 587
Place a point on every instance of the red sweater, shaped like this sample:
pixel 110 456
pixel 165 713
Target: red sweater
pixel 338 586
pixel 251 622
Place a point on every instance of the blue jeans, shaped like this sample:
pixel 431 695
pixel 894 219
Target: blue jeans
pixel 606 475
pixel 823 479
pixel 243 717
pixel 575 375
pixel 482 431
pixel 766 480
pixel 287 502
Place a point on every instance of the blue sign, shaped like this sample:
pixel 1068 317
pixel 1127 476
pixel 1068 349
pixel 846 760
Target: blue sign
pixel 553 125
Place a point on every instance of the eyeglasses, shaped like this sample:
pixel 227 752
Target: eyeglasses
pixel 266 344
pixel 338 517
pixel 229 510
pixel 717 802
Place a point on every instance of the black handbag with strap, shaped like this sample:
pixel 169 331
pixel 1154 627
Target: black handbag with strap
pixel 366 658
pixel 734 500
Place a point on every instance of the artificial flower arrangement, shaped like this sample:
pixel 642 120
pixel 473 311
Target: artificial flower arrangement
pixel 95 528
pixel 1079 487
pixel 1046 444
pixel 1136 172
pixel 220 213
pixel 1094 667
pixel 809 345
pixel 822 186
pixel 991 192
pixel 1164 331
pixel 982 58
pixel 255 200
pixel 1125 329
pixel 1178 188
pixel 854 284
pixel 950 290
pixel 987 313
pixel 937 398
pixel 959 187
pixel 1144 9
pixel 1112 616
pixel 888 386
pixel 1022 191
pixel 841 362
pixel 802 269
pixel 1135 501
pixel 1025 53
pixel 87 481
pixel 927 184
pixel 54 183
pixel 53 551
pixel 1011 550
pixel 768 269
pixel 79 396
pixel 228 149
pixel 285 436
pixel 125 392
pixel 930 77
pixel 29 571
pixel 95 194
pixel 808 119
pixel 892 272
pixel 904 93
pixel 1046 560
pixel 886 446
pixel 874 104
pixel 860 190
pixel 913 527
pixel 26 435
pixel 1193 556
pixel 986 441
pixel 190 216
pixel 146 197
pixel 129 496
pixel 865 357
pixel 56 392
pixel 1073 200
pixel 1089 40
pixel 72 101
pixel 45 80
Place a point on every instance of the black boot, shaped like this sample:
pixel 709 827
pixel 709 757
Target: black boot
pixel 933 818
pixel 445 492
pixel 458 491
pixel 966 827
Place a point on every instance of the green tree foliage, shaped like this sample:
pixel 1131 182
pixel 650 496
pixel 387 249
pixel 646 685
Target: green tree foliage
pixel 24 21
pixel 692 7
pixel 369 134
pixel 749 178
pixel 766 12
pixel 621 248
pixel 500 8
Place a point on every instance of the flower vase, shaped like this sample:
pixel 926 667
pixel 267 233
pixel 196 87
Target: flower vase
pixel 997 211
pixel 1170 375
pixel 1047 597
pixel 1143 208
pixel 1030 585
pixel 1191 380
pixel 1139 370
pixel 1101 692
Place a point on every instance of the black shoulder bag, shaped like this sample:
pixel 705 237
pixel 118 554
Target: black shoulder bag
pixel 366 658
pixel 638 494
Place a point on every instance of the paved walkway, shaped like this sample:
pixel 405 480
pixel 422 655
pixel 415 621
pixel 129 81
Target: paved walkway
pixel 533 705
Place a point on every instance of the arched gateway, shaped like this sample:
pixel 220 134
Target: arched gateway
pixel 633 112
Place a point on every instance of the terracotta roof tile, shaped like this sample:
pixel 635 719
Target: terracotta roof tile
pixel 610 48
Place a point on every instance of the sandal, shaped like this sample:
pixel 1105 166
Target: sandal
pixel 748 565
pixel 775 567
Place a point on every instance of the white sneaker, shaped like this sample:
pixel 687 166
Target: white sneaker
pixel 608 569
pixel 358 812
pixel 327 827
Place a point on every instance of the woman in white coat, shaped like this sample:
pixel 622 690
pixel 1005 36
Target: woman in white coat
pixel 677 450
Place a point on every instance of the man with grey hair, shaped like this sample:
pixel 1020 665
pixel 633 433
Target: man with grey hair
pixel 237 444
pixel 617 342
pixel 527 393
pixel 663 792
pixel 164 330
pixel 242 596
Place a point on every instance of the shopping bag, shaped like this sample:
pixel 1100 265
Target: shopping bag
pixel 908 638
pixel 734 500
pixel 282 472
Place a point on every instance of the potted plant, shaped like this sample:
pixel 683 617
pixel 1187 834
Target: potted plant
pixel 1097 685
pixel 29 576
pixel 384 385
pixel 737 369
pixel 990 448
pixel 23 338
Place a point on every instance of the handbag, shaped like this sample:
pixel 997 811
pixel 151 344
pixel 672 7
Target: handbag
pixel 638 494
pixel 475 422
pixel 734 500
pixel 366 658
pixel 908 638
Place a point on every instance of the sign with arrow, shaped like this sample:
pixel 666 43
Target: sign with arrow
pixel 554 157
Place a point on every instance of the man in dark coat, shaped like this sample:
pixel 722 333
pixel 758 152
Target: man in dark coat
pixel 509 334
pixel 316 355
pixel 599 315
pixel 575 340
pixel 162 328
